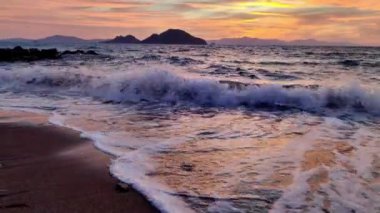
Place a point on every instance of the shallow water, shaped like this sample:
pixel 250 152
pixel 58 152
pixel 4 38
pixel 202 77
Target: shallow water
pixel 221 129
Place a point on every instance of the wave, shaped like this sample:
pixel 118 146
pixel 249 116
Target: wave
pixel 184 61
pixel 166 87
pixel 277 75
pixel 345 63
pixel 276 63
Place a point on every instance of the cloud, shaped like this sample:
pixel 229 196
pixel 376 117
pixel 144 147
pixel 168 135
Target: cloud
pixel 284 19
pixel 326 14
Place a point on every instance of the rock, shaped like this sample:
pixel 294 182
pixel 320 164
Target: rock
pixel 69 52
pixel 20 54
pixel 5 55
pixel 81 52
pixel 174 36
pixel 111 102
pixel 122 187
pixel 187 167
pixel 246 74
pixel 49 54
pixel 91 52
pixel 350 63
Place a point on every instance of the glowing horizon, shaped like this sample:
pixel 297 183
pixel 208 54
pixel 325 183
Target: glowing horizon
pixel 327 20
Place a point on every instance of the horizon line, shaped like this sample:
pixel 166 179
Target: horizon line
pixel 342 42
pixel 208 40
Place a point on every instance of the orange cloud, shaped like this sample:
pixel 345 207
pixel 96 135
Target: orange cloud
pixel 364 4
pixel 343 20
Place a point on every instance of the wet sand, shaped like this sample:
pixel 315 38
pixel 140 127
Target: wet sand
pixel 44 168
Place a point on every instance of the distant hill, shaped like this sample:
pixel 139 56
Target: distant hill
pixel 174 36
pixel 247 41
pixel 60 39
pixel 313 42
pixel 56 39
pixel 153 39
pixel 129 39
pixel 16 40
pixel 171 36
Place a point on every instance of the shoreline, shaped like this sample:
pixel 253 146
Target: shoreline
pixel 47 168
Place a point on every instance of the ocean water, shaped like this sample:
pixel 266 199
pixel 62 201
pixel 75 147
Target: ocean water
pixel 220 129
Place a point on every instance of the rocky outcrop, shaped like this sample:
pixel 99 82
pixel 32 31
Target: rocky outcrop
pixel 174 36
pixel 80 52
pixel 20 54
pixel 350 63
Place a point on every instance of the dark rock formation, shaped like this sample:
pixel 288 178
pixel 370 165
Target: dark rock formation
pixel 174 36
pixel 350 63
pixel 187 167
pixel 129 39
pixel 81 52
pixel 20 54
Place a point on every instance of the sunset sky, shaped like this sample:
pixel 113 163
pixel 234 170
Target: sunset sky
pixel 356 21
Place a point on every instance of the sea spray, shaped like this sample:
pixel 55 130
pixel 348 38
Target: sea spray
pixel 159 86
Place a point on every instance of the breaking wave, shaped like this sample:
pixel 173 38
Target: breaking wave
pixel 166 87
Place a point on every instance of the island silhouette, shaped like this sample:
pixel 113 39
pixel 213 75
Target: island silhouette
pixel 175 37
pixel 171 36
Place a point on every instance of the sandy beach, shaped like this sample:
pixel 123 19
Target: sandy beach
pixel 44 168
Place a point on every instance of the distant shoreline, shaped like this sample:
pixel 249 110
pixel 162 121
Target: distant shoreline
pixel 181 37
pixel 33 44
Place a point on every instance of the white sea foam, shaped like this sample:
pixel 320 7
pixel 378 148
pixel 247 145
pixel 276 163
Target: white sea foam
pixel 166 87
pixel 223 207
pixel 231 156
pixel 132 167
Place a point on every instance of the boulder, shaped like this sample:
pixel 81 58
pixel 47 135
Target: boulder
pixel 20 54
pixel 80 52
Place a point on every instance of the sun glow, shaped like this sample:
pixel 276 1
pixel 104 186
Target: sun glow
pixel 262 5
pixel 281 19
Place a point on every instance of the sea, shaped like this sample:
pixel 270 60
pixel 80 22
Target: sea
pixel 219 128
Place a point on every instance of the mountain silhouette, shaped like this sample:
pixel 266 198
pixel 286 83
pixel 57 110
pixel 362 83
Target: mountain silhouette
pixel 59 39
pixel 55 39
pixel 129 39
pixel 174 36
